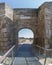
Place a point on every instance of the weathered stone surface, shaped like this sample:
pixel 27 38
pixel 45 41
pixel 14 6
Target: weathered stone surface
pixel 45 25
pixel 13 20
pixel 2 9
pixel 8 11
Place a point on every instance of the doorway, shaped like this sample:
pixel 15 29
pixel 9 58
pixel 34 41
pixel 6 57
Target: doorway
pixel 25 41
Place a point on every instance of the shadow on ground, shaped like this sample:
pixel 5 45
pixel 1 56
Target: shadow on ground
pixel 24 56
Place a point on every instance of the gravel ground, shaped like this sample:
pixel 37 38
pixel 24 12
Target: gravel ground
pixel 48 60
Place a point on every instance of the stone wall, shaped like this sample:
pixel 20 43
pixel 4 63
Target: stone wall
pixel 41 25
pixel 5 29
pixel 45 25
pixel 48 25
pixel 9 11
pixel 26 18
pixel 2 9
pixel 13 20
pixel 6 34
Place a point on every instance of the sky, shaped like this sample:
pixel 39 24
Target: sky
pixel 24 3
pixel 26 33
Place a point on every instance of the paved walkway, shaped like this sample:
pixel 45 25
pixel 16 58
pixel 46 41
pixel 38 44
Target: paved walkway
pixel 25 56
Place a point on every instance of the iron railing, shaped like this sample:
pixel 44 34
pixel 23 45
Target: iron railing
pixel 46 52
pixel 8 57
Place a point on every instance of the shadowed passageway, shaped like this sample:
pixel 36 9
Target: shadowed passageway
pixel 24 56
pixel 24 51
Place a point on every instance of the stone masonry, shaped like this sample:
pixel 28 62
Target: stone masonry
pixel 13 20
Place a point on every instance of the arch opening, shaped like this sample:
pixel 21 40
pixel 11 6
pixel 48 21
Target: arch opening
pixel 25 41
pixel 25 36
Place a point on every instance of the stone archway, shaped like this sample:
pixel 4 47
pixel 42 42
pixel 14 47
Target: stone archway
pixel 26 19
pixel 17 30
pixel 24 34
pixel 19 18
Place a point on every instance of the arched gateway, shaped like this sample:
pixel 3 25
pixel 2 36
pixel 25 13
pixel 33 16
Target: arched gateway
pixel 26 18
pixel 38 20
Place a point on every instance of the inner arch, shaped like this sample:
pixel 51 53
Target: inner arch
pixel 25 40
pixel 25 36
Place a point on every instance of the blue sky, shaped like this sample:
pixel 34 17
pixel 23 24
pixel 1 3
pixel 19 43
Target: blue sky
pixel 24 3
pixel 27 33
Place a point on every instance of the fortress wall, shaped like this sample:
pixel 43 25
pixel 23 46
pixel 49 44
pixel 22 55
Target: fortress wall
pixel 6 29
